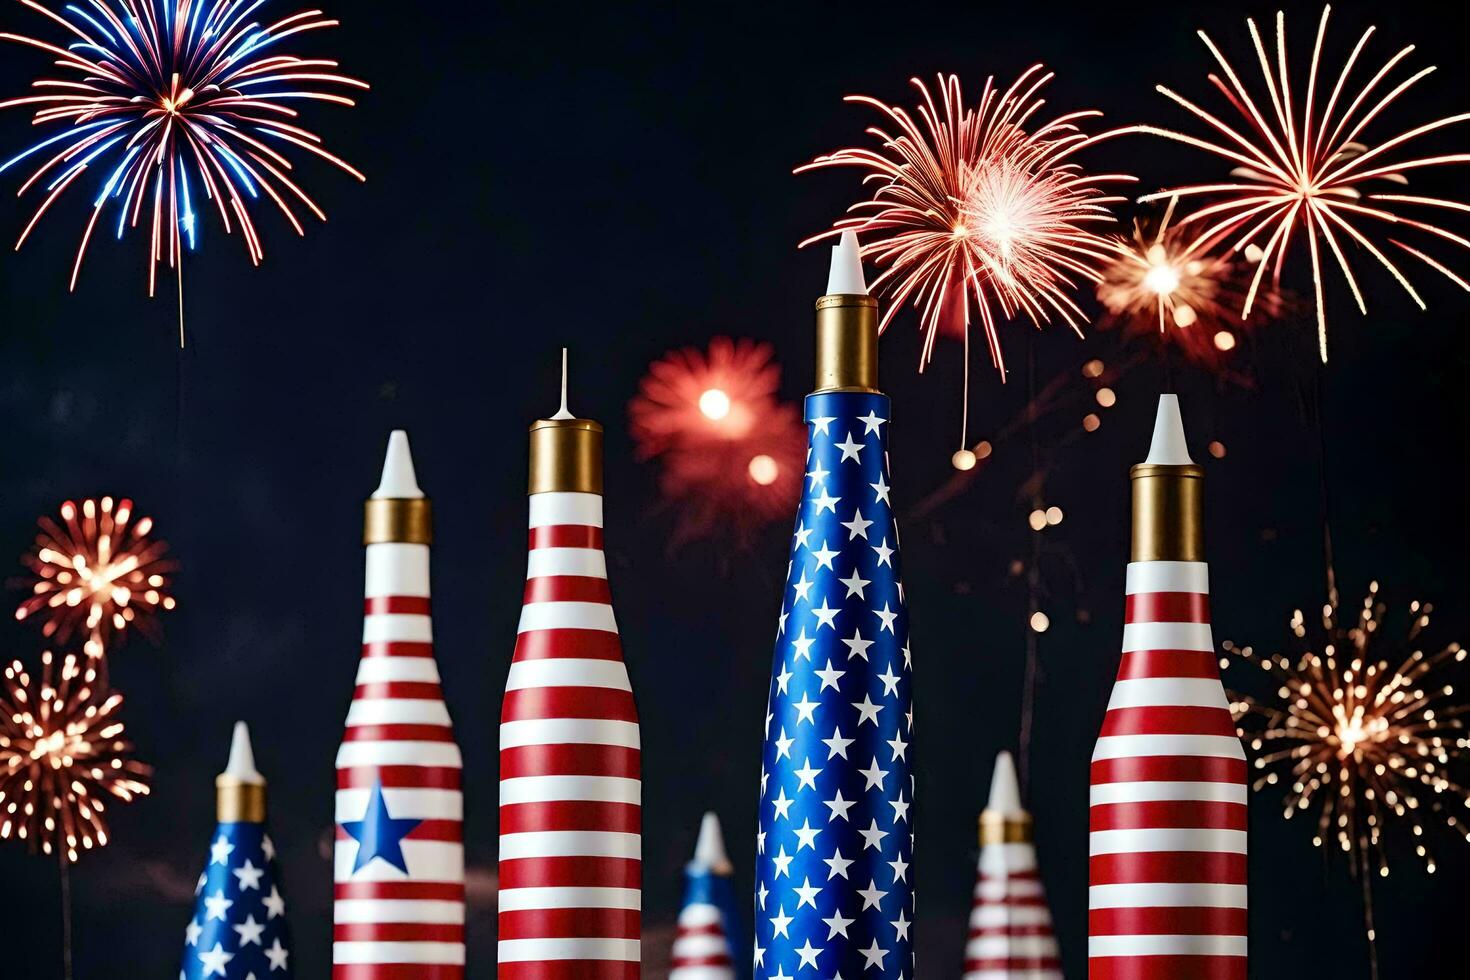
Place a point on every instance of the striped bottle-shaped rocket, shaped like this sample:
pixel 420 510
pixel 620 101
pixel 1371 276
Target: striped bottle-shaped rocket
pixel 1010 925
pixel 398 909
pixel 1168 807
pixel 570 785
pixel 704 948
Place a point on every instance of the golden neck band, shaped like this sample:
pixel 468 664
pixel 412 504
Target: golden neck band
pixel 1168 512
pixel 409 520
pixel 1004 828
pixel 847 343
pixel 238 802
pixel 566 456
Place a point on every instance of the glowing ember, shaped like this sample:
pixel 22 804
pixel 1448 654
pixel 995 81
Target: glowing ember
pixel 764 470
pixel 715 404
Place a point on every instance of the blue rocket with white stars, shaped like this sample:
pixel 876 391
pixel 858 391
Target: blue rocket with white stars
pixel 834 876
pixel 238 930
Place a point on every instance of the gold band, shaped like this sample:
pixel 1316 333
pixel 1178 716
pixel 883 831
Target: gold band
pixel 407 520
pixel 847 343
pixel 1002 828
pixel 1168 512
pixel 566 456
pixel 237 802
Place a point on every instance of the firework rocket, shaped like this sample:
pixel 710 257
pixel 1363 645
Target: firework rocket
pixel 834 882
pixel 399 903
pixel 570 783
pixel 1168 813
pixel 1010 925
pixel 704 948
pixel 239 926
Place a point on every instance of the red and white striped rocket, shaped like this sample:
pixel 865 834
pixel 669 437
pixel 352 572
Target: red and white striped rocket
pixel 704 945
pixel 570 782
pixel 1011 936
pixel 398 909
pixel 1168 809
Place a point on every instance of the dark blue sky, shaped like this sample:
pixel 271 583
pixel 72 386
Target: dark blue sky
pixel 618 179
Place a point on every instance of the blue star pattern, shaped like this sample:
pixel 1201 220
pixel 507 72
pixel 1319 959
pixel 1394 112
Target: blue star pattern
pixel 239 930
pixel 378 835
pixel 834 882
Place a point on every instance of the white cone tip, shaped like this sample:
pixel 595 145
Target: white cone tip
pixel 399 481
pixel 1005 789
pixel 1168 447
pixel 242 757
pixel 563 412
pixel 709 852
pixel 846 275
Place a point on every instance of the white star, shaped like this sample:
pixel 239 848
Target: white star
pixel 199 885
pixel 872 895
pixel 867 711
pixel 871 422
pixel 826 615
pixel 783 679
pixel 908 658
pixel 829 677
pixel 268 847
pixel 890 681
pixel 214 960
pixel 855 585
pixel 874 776
pixel 902 925
pixel 817 475
pixel 887 616
pixel 857 527
pixel 850 450
pixel 803 646
pixel 808 954
pixel 884 553
pixel 249 931
pixel 220 850
pixel 873 837
pixel 760 895
pixel 826 502
pixel 900 808
pixel 802 534
pixel 275 905
pixel 900 869
pixel 802 587
pixel 760 956
pixel 899 747
pixel 192 932
pixel 806 836
pixel 806 710
pixel 806 894
pixel 217 905
pixel 782 805
pixel 249 876
pixel 837 745
pixel 837 864
pixel 824 556
pixel 821 425
pixel 806 776
pixel 760 838
pixel 780 924
pixel 837 925
pixel 783 745
pixel 780 974
pixel 857 646
pixel 277 955
pixel 881 490
pixel 782 861
pixel 838 806
pixel 874 956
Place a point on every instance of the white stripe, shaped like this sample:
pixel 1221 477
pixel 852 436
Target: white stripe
pixel 570 843
pixel 1147 792
pixel 413 804
pixel 551 509
pixel 1007 858
pixel 1019 947
pixel 1187 692
pixel 352 754
pixel 583 562
pixel 994 916
pixel 701 972
pixel 1168 576
pixel 374 670
pixel 599 789
pixel 701 945
pixel 567 616
pixel 1168 636
pixel 384 952
pixel 523 899
pixel 427 860
pixel 397 711
pixel 569 731
pixel 1009 973
pixel 397 628
pixel 397 910
pixel 1167 895
pixel 397 568
pixel 1138 746
pixel 993 890
pixel 700 914
pixel 1141 840
pixel 1166 946
pixel 533 950
pixel 568 672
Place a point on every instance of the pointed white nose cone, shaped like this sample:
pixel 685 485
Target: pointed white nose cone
pixel 1005 789
pixel 846 273
pixel 709 852
pixel 242 757
pixel 1168 447
pixel 398 480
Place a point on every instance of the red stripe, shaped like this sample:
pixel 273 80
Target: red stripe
pixel 410 690
pixel 1166 968
pixel 566 536
pixel 568 588
pixel 443 830
pixel 422 891
pixel 569 970
pixel 1186 867
pixel 571 872
pixel 397 648
pixel 1167 922
pixel 396 971
pixel 721 960
pixel 411 605
pixel 521 818
pixel 570 760
pixel 1037 930
pixel 1167 607
pixel 535 703
pixel 1169 720
pixel 399 777
pixel 1169 768
pixel 1168 813
pixel 1014 963
pixel 569 924
pixel 1138 664
pixel 710 929
pixel 399 733
pixel 554 643
pixel 398 932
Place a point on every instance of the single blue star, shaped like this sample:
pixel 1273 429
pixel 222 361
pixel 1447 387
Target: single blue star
pixel 378 835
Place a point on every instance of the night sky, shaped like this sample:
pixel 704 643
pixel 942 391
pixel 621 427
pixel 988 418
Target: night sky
pixel 618 180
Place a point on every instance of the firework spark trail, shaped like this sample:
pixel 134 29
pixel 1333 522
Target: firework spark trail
pixel 171 97
pixel 1302 173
